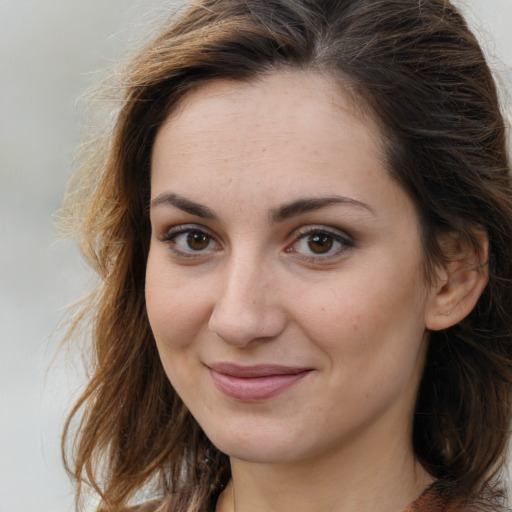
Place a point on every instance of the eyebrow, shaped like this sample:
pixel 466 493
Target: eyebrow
pixel 279 214
pixel 170 199
pixel 313 203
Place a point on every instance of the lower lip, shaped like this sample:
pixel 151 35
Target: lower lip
pixel 255 388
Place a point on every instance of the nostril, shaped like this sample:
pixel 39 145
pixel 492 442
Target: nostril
pixel 241 326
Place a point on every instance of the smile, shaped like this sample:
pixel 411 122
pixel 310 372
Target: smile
pixel 254 383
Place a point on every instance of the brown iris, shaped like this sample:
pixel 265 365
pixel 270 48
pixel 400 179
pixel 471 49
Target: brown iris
pixel 197 240
pixel 320 243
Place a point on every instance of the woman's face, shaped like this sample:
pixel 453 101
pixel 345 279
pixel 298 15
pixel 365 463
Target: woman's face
pixel 284 279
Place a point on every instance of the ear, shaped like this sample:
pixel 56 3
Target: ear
pixel 460 281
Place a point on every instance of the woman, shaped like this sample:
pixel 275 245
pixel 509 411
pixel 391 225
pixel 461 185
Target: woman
pixel 302 222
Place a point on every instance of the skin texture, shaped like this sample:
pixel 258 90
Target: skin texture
pixel 251 290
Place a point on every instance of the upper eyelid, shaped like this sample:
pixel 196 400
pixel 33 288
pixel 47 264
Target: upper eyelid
pixel 319 228
pixel 183 228
pixel 302 230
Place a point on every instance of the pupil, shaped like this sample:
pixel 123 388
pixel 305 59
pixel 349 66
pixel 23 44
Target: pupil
pixel 320 243
pixel 197 240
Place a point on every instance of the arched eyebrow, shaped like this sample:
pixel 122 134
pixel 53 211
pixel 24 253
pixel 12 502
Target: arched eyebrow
pixel 309 204
pixel 170 199
pixel 276 215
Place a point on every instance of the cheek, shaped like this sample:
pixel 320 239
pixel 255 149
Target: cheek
pixel 175 314
pixel 176 307
pixel 367 322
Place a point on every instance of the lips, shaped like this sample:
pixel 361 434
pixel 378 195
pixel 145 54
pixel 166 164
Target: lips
pixel 254 383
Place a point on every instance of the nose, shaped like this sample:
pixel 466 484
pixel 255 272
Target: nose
pixel 247 306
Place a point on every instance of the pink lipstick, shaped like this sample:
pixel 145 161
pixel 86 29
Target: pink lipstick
pixel 253 383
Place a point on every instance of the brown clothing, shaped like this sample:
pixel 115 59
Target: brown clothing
pixel 429 501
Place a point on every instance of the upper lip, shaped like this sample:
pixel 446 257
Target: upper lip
pixel 255 371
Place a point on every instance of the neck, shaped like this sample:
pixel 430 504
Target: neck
pixel 345 480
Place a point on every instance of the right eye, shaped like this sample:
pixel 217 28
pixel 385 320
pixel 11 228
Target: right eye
pixel 189 241
pixel 193 240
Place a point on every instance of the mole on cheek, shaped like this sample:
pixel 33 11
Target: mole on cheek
pixel 355 322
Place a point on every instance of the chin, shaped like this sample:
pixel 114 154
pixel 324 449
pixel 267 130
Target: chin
pixel 257 452
pixel 264 444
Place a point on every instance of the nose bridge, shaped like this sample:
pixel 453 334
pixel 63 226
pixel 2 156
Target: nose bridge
pixel 245 305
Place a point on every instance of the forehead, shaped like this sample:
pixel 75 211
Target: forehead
pixel 282 83
pixel 278 115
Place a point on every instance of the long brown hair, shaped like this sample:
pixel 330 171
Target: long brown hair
pixel 416 69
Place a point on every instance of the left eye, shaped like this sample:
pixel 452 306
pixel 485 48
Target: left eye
pixel 320 243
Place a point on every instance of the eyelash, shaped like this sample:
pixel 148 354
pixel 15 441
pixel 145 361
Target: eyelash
pixel 336 236
pixel 186 229
pixel 330 235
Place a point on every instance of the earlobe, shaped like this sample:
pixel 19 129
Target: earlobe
pixel 460 281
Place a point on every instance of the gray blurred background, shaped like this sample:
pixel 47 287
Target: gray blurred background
pixel 49 53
